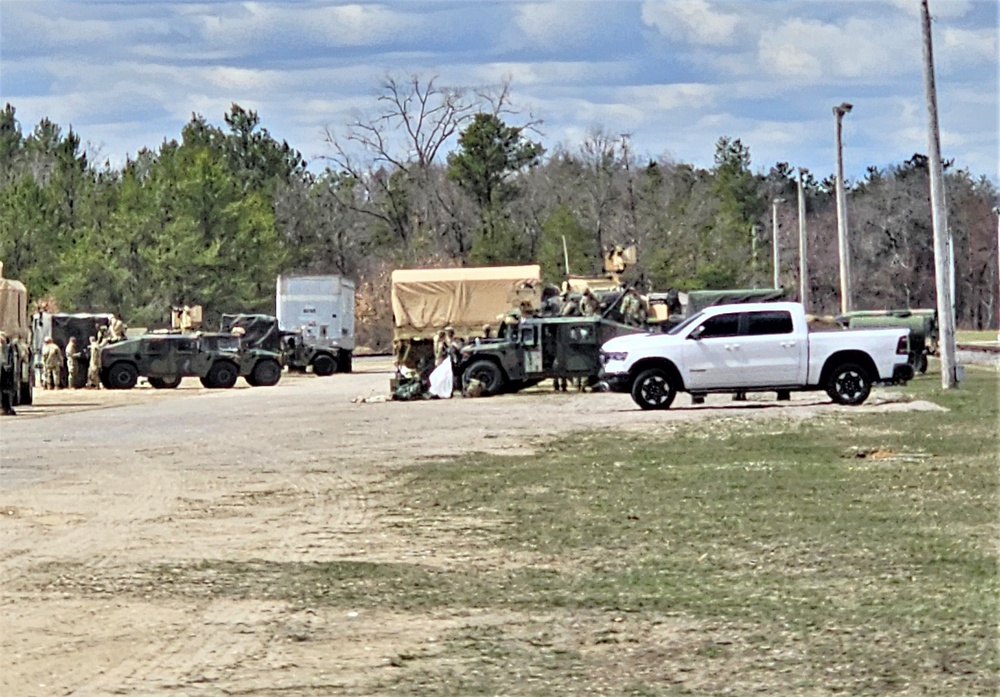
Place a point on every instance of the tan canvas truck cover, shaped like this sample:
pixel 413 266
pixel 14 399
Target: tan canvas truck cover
pixel 425 300
pixel 14 308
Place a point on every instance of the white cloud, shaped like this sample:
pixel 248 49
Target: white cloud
pixel 939 8
pixel 862 50
pixel 968 46
pixel 693 20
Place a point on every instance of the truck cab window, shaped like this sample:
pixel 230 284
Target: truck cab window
pixel 770 322
pixel 720 326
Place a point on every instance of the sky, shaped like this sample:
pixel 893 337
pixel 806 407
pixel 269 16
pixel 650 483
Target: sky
pixel 676 75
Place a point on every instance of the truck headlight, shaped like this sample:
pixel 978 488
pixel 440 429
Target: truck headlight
pixel 614 356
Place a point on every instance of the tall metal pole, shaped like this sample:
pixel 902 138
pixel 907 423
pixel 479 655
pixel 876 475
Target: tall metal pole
pixel 775 251
pixel 803 271
pixel 846 304
pixel 943 264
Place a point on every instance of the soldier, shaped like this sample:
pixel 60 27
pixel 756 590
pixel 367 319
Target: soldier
pixel 117 329
pixel 94 370
pixel 589 304
pixel 102 335
pixel 440 347
pixel 8 383
pixel 72 356
pixel 454 343
pixel 52 361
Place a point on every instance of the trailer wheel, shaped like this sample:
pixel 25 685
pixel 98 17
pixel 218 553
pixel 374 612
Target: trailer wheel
pixel 167 383
pixel 324 364
pixel 848 384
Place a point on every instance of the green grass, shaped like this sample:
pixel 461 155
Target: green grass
pixel 849 554
pixel 967 335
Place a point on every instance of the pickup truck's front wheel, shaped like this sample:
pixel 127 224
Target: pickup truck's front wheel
pixel 654 389
pixel 849 384
pixel 486 372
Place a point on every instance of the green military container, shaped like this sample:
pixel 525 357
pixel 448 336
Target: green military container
pixel 923 326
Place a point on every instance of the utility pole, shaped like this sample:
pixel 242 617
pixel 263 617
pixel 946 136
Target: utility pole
pixel 774 242
pixel 803 272
pixel 943 264
pixel 996 210
pixel 845 253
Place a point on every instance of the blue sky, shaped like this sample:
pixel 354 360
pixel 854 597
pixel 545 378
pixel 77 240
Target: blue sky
pixel 675 74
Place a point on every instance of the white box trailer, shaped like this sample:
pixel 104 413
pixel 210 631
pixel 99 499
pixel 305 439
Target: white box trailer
pixel 321 308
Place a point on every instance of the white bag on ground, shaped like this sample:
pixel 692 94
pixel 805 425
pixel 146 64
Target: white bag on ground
pixel 442 381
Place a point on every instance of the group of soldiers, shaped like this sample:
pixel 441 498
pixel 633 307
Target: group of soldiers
pixel 53 357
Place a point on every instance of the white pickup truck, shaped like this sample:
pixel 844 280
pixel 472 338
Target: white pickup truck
pixel 759 347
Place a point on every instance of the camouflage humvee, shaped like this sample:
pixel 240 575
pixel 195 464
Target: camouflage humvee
pixel 538 348
pixel 217 359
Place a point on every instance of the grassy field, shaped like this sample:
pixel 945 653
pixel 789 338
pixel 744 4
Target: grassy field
pixel 841 555
pixel 847 554
pixel 965 335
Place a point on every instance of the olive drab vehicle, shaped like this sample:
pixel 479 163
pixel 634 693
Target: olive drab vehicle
pixel 297 353
pixel 425 301
pixel 16 377
pixel 164 359
pixel 538 348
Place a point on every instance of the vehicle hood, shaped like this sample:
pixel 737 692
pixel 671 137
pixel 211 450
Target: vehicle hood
pixel 641 342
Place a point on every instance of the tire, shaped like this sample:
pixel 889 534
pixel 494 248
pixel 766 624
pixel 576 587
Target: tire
pixel 848 384
pixel 266 373
pixel 24 395
pixel 654 389
pixel 487 372
pixel 222 375
pixel 324 365
pixel 121 376
pixel 167 383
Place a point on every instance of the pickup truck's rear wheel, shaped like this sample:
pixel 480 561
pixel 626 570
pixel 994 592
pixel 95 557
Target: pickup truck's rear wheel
pixel 167 383
pixel 654 389
pixel 849 384
pixel 324 365
pixel 121 376
pixel 265 374
pixel 486 372
pixel 222 375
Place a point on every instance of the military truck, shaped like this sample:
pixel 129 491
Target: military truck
pixel 425 301
pixel 298 354
pixel 16 378
pixel 923 326
pixel 537 348
pixel 316 316
pixel 62 327
pixel 165 358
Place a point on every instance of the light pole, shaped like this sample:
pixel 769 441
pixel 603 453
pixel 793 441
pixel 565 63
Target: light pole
pixel 845 261
pixel 774 240
pixel 803 271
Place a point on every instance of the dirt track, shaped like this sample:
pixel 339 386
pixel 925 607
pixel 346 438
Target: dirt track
pixel 98 488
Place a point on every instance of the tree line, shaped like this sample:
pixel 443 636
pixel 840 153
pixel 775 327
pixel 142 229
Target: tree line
pixel 214 216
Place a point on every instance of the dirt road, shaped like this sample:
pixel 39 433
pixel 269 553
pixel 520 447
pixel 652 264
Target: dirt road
pixel 105 495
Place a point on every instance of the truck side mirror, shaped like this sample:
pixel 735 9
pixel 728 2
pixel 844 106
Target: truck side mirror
pixel 696 333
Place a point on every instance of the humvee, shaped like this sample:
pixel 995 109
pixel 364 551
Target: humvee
pixel 298 352
pixel 538 348
pixel 217 359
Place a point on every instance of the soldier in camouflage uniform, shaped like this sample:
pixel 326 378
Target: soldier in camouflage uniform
pixel 8 381
pixel 72 356
pixel 52 362
pixel 94 368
